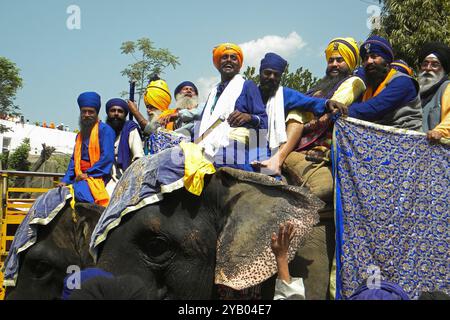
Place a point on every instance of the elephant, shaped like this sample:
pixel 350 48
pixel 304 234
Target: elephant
pixel 184 245
pixel 63 242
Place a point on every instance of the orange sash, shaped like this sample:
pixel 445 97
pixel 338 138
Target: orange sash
pixel 170 125
pixel 96 185
pixel 369 92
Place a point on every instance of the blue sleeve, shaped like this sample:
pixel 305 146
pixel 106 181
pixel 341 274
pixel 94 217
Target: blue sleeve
pixel 70 173
pixel 103 166
pixel 250 102
pixel 296 100
pixel 399 92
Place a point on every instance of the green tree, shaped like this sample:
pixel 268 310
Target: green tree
pixel 18 159
pixel 408 24
pixel 148 61
pixel 301 80
pixel 10 82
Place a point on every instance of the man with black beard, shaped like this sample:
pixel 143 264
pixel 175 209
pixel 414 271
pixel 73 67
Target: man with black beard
pixel 128 144
pixel 392 97
pixel 434 60
pixel 339 84
pixel 282 107
pixel 90 166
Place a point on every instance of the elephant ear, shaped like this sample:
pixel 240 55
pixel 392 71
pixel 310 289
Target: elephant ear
pixel 256 204
pixel 86 218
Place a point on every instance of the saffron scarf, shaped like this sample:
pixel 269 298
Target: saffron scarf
pixel 369 92
pixel 96 185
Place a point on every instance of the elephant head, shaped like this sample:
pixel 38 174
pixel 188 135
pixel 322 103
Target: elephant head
pixel 183 245
pixel 63 242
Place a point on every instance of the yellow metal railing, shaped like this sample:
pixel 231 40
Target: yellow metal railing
pixel 14 209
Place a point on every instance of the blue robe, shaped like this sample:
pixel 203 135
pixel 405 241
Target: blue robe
pixel 102 168
pixel 297 100
pixel 398 93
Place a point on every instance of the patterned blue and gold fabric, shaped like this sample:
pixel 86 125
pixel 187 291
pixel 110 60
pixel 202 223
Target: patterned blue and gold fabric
pixel 43 211
pixel 162 140
pixel 392 202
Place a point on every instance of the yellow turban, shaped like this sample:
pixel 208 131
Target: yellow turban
pixel 225 48
pixel 157 94
pixel 347 48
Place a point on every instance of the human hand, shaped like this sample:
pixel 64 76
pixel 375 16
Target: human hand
pixel 434 136
pixel 164 120
pixel 280 243
pixel 82 176
pixel 337 107
pixel 237 119
pixel 132 106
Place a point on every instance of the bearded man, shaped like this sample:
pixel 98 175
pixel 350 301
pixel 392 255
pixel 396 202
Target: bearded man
pixel 157 99
pixel 128 144
pixel 187 109
pixel 392 97
pixel 434 60
pixel 282 106
pixel 90 166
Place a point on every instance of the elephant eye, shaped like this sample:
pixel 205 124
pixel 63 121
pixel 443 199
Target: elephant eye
pixel 41 269
pixel 157 249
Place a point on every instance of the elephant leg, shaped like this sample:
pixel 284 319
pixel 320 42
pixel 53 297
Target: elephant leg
pixel 314 260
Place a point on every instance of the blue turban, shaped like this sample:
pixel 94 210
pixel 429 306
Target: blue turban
pixel 183 84
pixel 377 45
pixel 273 61
pixel 117 102
pixel 89 99
pixel 386 291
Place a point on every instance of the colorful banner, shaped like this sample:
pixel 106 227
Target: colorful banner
pixel 392 200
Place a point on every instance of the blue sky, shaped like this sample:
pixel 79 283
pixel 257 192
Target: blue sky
pixel 57 63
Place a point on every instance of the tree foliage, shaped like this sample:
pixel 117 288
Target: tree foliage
pixel 18 159
pixel 148 61
pixel 301 80
pixel 408 24
pixel 10 82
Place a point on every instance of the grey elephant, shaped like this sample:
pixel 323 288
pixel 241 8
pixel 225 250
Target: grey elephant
pixel 51 238
pixel 181 245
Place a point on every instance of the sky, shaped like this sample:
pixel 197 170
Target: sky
pixel 57 61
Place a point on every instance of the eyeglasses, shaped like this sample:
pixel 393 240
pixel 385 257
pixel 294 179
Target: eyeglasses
pixel 433 65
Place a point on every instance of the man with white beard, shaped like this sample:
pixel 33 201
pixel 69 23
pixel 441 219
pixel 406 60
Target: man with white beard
pixel 187 108
pixel 434 60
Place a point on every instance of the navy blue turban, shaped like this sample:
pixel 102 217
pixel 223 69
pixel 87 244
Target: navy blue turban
pixel 117 102
pixel 379 46
pixel 440 50
pixel 89 99
pixel 385 291
pixel 183 84
pixel 273 61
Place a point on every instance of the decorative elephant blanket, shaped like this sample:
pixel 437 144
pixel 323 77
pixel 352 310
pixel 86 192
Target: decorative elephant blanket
pixel 43 211
pixel 392 209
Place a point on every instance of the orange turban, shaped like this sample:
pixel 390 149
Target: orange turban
pixel 157 94
pixel 225 48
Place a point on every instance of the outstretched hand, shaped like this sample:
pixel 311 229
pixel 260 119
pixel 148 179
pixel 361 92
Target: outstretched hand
pixel 280 243
pixel 337 107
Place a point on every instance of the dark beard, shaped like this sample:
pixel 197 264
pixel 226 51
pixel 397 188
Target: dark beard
pixel 327 83
pixel 268 89
pixel 116 124
pixel 86 126
pixel 374 79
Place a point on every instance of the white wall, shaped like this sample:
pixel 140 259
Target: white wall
pixel 63 141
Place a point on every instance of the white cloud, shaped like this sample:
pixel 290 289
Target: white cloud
pixel 255 50
pixel 204 85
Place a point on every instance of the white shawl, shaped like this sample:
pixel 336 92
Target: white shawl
pixel 218 138
pixel 277 124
